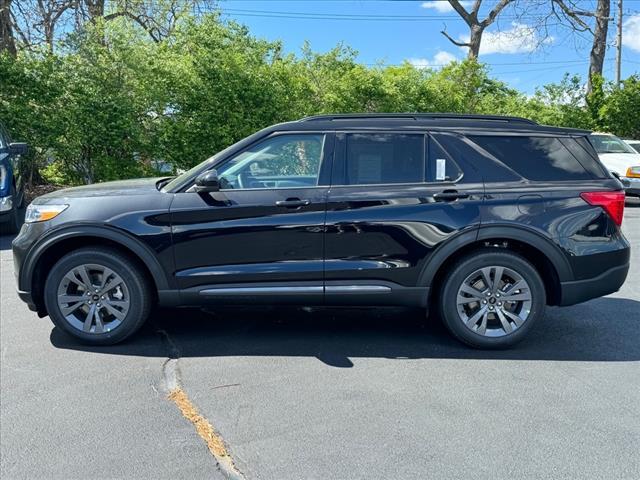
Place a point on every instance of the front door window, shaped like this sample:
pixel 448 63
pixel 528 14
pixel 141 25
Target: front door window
pixel 282 161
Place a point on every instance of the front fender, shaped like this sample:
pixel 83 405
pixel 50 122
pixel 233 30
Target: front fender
pixel 55 236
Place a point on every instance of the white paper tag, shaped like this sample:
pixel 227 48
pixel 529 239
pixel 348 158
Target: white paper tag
pixel 441 166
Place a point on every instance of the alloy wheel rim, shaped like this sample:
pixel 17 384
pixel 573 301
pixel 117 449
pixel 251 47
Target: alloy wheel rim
pixel 494 301
pixel 93 298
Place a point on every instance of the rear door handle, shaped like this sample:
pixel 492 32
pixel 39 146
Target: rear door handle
pixel 292 203
pixel 449 196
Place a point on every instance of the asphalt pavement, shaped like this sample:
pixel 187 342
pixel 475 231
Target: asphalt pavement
pixel 326 394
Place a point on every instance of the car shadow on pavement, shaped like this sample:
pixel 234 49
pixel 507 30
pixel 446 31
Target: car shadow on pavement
pixel 606 329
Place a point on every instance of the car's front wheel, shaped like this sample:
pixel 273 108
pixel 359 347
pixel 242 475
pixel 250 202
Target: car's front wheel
pixel 492 298
pixel 97 295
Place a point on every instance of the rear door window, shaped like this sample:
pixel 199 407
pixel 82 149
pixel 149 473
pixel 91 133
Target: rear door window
pixel 440 167
pixel 534 158
pixel 384 158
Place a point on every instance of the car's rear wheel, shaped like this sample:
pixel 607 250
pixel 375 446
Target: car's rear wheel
pixel 492 299
pixel 97 295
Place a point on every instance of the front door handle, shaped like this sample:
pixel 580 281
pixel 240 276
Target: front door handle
pixel 449 196
pixel 292 203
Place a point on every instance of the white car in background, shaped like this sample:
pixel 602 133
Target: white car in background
pixel 620 159
pixel 635 144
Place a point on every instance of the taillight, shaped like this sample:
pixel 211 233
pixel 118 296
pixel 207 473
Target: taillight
pixel 611 202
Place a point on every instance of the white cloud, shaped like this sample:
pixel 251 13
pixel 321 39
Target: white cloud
pixel 443 6
pixel 439 59
pixel 520 38
pixel 631 33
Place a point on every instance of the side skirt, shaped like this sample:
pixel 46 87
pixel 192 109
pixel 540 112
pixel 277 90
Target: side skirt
pixel 299 293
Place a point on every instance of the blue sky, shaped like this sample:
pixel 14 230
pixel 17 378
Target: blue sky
pixel 397 30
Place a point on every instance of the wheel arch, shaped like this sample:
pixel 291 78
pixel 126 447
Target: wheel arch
pixel 545 256
pixel 53 247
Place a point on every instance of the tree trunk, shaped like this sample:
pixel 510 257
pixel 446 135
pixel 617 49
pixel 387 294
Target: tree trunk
pixel 7 40
pixel 476 26
pixel 475 39
pixel 599 47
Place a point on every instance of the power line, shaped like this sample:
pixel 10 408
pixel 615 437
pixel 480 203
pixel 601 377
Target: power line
pixel 241 12
pixel 354 17
pixel 493 64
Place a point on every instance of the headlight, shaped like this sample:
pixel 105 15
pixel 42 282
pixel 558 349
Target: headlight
pixel 40 213
pixel 6 204
pixel 633 172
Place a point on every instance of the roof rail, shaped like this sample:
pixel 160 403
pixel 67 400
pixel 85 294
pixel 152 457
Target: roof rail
pixel 418 116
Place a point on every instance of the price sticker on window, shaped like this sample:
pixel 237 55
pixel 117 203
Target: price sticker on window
pixel 441 169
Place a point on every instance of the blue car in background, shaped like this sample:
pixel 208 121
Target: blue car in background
pixel 11 185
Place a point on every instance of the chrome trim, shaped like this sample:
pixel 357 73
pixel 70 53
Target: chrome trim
pixel 260 290
pixel 357 289
pixel 296 290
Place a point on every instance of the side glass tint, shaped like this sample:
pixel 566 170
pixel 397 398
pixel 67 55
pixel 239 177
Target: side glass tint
pixel 379 158
pixel 584 153
pixel 534 158
pixel 283 161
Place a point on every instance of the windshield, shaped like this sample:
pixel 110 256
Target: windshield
pixel 609 144
pixel 182 178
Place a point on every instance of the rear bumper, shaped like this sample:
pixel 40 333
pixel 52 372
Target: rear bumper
pixel 582 290
pixel 631 186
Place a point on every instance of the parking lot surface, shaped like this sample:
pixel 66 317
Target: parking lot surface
pixel 325 393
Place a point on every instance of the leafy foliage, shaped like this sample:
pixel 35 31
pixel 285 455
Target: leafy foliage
pixel 111 103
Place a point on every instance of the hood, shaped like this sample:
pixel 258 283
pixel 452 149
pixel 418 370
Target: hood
pixel 619 162
pixel 138 186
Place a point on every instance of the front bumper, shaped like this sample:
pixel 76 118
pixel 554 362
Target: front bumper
pixel 22 245
pixel 28 299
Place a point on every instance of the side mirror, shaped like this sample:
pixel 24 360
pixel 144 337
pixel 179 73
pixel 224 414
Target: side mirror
pixel 207 182
pixel 18 148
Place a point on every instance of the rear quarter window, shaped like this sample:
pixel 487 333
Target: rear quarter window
pixel 534 158
pixel 586 155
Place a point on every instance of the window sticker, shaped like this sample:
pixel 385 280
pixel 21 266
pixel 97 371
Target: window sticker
pixel 441 167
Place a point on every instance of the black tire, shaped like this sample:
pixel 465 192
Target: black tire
pixel 137 287
pixel 466 267
pixel 15 218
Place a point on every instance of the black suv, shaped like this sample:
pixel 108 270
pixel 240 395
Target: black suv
pixel 481 219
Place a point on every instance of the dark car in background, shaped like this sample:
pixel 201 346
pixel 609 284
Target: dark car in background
pixel 481 220
pixel 11 184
